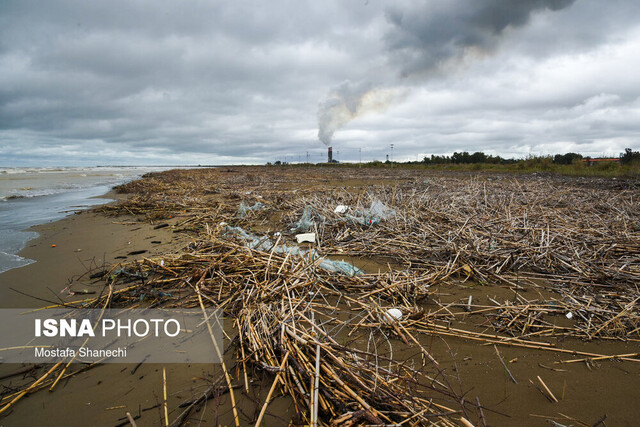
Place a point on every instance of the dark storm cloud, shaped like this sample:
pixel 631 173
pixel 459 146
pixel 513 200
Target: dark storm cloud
pixel 428 35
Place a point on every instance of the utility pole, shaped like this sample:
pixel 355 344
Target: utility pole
pixel 392 155
pixel 360 154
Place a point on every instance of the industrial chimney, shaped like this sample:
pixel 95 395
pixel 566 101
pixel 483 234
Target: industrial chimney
pixel 330 155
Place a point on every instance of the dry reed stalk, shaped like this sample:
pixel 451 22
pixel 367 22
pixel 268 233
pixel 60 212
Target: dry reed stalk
pixel 271 390
pixel 505 365
pixel 62 372
pixel 131 421
pixel 164 392
pixel 219 354
pixel 522 234
pixel 547 390
pixel 29 388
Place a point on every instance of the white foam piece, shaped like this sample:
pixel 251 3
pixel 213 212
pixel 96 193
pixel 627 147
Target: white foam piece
pixel 395 313
pixel 306 237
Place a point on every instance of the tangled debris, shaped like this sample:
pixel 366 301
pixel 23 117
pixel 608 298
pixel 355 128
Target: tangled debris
pixel 327 336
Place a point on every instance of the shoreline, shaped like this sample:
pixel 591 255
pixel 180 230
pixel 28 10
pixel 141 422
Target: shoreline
pixel 101 239
pixel 37 196
pixel 84 241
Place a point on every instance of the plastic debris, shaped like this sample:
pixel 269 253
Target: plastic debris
pixel 243 209
pixel 394 313
pixel 265 244
pixel 340 267
pixel 379 210
pixel 569 315
pixel 254 242
pixel 360 220
pixel 340 209
pixel 375 214
pixel 304 223
pixel 306 237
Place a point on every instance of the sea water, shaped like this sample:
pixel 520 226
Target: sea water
pixel 32 196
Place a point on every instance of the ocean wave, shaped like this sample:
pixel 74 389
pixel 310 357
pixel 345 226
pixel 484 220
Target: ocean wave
pixel 10 261
pixel 25 182
pixel 13 171
pixel 34 170
pixel 27 194
pixel 79 169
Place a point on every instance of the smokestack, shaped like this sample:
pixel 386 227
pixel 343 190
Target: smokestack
pixel 330 154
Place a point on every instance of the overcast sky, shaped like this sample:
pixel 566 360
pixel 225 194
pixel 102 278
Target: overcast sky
pixel 215 82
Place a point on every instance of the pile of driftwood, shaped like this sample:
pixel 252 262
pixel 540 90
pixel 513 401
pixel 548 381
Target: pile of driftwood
pixel 334 342
pixel 579 238
pixel 328 338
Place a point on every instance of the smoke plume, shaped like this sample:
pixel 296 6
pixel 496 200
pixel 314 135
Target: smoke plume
pixel 349 100
pixel 420 44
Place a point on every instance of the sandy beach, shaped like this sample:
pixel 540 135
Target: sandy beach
pixel 70 247
pixel 514 381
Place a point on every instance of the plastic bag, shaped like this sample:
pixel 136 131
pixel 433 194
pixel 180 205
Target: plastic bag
pixel 376 213
pixel 340 267
pixel 243 209
pixel 305 223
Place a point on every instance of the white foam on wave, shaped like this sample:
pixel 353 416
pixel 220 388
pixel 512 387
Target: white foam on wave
pixel 13 171
pixel 18 183
pixel 23 202
pixel 27 194
pixel 11 261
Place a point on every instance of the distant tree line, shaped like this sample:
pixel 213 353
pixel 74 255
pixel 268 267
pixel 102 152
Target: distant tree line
pixel 628 157
pixel 480 157
pixel 465 157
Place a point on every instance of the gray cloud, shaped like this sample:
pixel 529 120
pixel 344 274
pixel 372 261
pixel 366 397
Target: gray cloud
pixel 214 82
pixel 426 36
